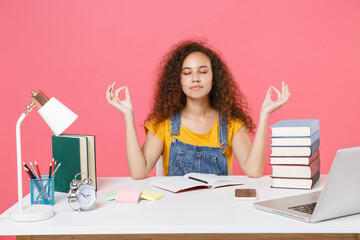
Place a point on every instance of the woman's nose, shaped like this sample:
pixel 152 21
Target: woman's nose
pixel 195 77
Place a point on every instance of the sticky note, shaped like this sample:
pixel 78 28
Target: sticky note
pixel 151 196
pixel 128 196
pixel 111 195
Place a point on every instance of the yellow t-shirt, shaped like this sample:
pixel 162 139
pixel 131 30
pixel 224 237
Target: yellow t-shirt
pixel 210 139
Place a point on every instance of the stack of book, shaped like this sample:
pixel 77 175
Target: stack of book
pixel 295 153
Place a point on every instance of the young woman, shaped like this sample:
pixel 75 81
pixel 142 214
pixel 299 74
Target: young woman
pixel 199 118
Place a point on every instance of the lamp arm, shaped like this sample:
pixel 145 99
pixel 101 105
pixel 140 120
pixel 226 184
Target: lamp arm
pixel 19 163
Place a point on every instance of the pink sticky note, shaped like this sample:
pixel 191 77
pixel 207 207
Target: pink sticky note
pixel 128 196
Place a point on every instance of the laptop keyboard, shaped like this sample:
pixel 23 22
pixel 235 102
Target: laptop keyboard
pixel 306 208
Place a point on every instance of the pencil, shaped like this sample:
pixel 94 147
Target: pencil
pixel 52 166
pixel 38 170
pixel 57 167
pixel 50 171
pixel 31 173
pixel 33 168
pixel 27 171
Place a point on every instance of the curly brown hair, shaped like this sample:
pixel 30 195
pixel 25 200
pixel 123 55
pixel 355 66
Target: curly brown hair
pixel 225 95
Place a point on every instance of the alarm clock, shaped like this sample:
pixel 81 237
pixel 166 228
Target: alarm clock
pixel 82 195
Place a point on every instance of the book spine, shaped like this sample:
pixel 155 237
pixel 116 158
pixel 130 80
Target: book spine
pixel 314 147
pixel 314 126
pixel 315 179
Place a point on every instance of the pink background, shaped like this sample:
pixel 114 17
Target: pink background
pixel 73 50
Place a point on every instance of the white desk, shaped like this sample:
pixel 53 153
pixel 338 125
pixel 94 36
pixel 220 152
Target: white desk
pixel 199 211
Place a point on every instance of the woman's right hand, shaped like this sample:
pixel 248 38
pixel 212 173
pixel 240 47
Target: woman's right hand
pixel 124 106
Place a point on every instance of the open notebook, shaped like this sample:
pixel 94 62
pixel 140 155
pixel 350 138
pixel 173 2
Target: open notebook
pixel 192 180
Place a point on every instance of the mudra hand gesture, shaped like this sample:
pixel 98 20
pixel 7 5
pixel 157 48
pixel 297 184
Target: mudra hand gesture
pixel 124 106
pixel 269 106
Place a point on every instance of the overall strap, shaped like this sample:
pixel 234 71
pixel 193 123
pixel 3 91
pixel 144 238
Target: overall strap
pixel 175 122
pixel 223 131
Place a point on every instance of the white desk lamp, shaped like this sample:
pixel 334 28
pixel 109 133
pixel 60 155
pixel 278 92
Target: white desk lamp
pixel 58 118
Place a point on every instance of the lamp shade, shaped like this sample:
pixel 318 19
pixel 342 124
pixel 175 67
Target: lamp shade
pixel 57 116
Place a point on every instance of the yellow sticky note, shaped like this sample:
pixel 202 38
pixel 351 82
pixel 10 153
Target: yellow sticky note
pixel 151 196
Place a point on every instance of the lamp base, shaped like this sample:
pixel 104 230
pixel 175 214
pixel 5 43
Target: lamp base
pixel 32 213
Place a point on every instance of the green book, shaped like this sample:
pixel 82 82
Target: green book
pixel 91 153
pixel 73 152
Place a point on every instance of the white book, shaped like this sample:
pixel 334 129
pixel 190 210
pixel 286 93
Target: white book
pixel 296 171
pixel 301 183
pixel 295 128
pixel 295 141
pixel 192 180
pixel 294 151
pixel 295 160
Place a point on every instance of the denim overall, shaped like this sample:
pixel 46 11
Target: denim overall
pixel 185 158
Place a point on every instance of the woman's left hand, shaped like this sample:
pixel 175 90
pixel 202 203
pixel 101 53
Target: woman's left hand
pixel 269 106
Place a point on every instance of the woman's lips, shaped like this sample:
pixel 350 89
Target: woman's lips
pixel 196 87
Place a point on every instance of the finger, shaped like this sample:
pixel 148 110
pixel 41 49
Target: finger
pixel 275 89
pixel 283 93
pixel 111 87
pixel 287 90
pixel 268 93
pixel 277 92
pixel 127 93
pixel 287 93
pixel 117 92
pixel 108 92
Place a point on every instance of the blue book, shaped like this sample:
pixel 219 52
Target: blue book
pixel 295 128
pixel 295 141
pixel 295 151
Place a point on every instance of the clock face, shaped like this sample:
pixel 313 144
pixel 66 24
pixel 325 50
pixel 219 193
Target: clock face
pixel 86 196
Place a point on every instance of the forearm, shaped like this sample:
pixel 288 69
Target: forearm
pixel 255 161
pixel 136 159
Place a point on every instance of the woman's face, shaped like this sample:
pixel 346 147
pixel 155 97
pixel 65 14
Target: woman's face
pixel 196 75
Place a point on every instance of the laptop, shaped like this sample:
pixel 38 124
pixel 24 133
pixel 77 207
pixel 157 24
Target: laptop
pixel 339 197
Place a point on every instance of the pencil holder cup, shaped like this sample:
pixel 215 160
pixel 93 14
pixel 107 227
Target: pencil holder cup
pixel 42 190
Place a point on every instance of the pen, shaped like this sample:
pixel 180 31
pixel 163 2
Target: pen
pixel 38 170
pixel 198 180
pixel 57 167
